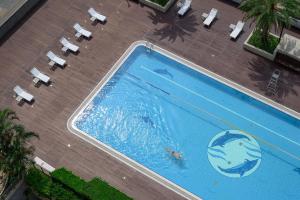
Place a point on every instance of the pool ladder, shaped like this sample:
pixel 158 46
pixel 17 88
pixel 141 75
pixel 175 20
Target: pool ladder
pixel 149 47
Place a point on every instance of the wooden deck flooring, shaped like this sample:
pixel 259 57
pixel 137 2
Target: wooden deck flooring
pixel 127 22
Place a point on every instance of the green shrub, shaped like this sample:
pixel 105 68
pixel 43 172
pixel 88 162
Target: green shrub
pixel 43 185
pixel 58 192
pixel 96 189
pixel 160 2
pixel 270 46
pixel 70 180
pixel 39 182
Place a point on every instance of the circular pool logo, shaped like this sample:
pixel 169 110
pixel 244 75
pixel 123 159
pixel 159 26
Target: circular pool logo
pixel 234 153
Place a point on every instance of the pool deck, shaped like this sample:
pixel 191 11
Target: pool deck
pixel 29 42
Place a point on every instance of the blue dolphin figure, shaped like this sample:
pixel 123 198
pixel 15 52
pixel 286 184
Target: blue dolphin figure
pixel 242 168
pixel 164 72
pixel 226 138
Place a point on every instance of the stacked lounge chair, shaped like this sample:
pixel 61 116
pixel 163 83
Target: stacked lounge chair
pixel 96 15
pixel 22 94
pixel 186 5
pixel 236 29
pixel 67 45
pixel 39 76
pixel 54 59
pixel 80 31
pixel 209 18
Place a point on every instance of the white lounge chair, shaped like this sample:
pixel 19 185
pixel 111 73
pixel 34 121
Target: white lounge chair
pixel 184 7
pixel 209 18
pixel 96 15
pixel 39 76
pixel 81 31
pixel 68 45
pixel 236 29
pixel 54 59
pixel 22 94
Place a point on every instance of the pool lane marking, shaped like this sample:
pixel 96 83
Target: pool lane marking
pixel 229 124
pixel 223 107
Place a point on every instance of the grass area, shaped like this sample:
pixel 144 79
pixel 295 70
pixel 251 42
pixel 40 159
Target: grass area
pixel 160 2
pixel 270 46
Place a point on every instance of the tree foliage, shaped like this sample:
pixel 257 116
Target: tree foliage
pixel 268 14
pixel 15 152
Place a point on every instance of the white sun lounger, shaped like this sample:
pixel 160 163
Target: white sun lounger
pixel 209 18
pixel 185 7
pixel 68 45
pixel 54 59
pixel 39 76
pixel 96 15
pixel 81 31
pixel 22 94
pixel 236 29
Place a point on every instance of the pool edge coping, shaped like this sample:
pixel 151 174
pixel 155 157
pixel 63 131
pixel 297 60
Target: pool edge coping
pixel 134 164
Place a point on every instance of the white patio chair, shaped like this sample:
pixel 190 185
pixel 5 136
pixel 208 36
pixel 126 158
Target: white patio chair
pixel 209 18
pixel 236 29
pixel 96 15
pixel 22 94
pixel 54 59
pixel 81 31
pixel 184 7
pixel 39 76
pixel 67 45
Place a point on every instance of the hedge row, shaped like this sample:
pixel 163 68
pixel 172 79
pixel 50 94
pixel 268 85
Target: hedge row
pixel 45 187
pixel 95 189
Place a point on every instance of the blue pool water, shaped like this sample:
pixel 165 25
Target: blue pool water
pixel 232 146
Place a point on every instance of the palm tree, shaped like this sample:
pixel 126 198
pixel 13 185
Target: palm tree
pixel 15 152
pixel 270 13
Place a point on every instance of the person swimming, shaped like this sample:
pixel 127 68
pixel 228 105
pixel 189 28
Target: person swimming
pixel 175 154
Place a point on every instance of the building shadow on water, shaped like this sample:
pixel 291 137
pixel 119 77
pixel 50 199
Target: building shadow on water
pixel 261 71
pixel 173 26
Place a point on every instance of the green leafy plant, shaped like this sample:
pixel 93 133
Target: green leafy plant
pixel 268 14
pixel 15 152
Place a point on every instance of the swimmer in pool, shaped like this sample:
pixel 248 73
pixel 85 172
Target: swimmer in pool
pixel 175 154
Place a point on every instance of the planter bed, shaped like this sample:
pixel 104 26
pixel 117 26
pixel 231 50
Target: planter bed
pixel 254 45
pixel 161 5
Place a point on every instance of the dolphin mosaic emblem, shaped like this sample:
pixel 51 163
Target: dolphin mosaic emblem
pixel 228 137
pixel 233 153
pixel 240 169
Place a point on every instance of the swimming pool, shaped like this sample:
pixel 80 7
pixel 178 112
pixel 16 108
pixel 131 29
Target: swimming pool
pixel 233 146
